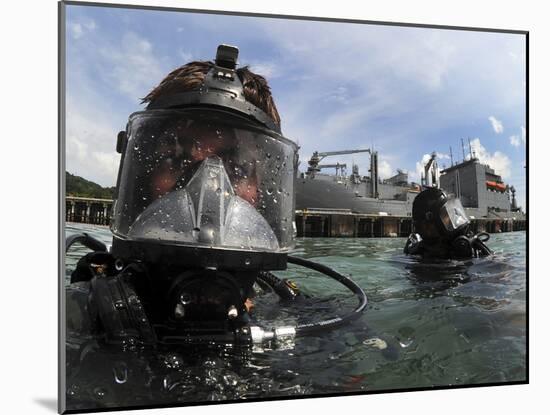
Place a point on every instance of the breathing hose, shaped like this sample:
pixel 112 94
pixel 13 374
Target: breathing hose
pixel 86 240
pixel 478 242
pixel 260 335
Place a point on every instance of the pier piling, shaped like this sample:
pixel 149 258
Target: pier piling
pixel 344 223
pixel 88 210
pixel 319 223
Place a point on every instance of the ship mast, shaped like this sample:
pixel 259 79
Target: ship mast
pixel 431 165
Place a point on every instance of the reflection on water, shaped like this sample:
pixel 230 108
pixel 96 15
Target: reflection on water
pixel 437 323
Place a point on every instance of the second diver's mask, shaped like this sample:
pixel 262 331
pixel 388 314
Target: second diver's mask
pixel 206 179
pixel 437 216
pixel 453 217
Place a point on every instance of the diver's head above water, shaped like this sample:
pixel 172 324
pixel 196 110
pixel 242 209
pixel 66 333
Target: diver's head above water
pixel 204 208
pixel 205 166
pixel 442 227
pixel 438 217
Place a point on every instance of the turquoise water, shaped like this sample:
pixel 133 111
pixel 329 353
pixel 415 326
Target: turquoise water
pixel 427 324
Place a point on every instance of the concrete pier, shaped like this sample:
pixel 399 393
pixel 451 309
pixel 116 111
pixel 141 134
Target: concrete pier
pixel 88 210
pixel 309 222
pixel 344 223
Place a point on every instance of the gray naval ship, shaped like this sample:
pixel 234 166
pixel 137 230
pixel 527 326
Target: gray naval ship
pixel 482 192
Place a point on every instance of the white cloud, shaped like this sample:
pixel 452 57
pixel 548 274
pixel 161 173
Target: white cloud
pixel 393 76
pixel 340 123
pixel 340 95
pixel 133 67
pixel 497 160
pixel 363 75
pixel 85 161
pixel 517 140
pixel 78 29
pixel 425 65
pixel 384 169
pixel 266 69
pixel 90 143
pixel 497 125
pixel 185 57
pixel 90 24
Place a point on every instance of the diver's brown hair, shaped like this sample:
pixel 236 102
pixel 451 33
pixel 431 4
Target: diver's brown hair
pixel 191 76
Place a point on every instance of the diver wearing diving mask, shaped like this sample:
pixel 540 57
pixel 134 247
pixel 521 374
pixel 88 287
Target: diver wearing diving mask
pixel 442 228
pixel 204 208
pixel 204 204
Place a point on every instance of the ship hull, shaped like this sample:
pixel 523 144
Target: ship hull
pixel 327 193
pixel 330 194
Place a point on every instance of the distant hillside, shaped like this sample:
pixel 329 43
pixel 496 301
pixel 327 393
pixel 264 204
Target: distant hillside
pixel 78 186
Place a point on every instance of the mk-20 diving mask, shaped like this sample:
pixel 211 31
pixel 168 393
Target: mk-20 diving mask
pixel 438 216
pixel 207 180
pixel 453 216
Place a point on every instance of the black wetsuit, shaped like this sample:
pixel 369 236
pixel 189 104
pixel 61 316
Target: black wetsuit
pixel 463 246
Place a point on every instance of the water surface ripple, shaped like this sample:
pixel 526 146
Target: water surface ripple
pixel 427 324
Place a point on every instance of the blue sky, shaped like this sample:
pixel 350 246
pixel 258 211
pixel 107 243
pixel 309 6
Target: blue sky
pixel 404 91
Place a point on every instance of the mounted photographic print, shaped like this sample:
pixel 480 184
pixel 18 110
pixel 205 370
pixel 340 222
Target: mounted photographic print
pixel 263 207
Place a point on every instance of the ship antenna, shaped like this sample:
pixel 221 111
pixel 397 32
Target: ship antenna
pixel 451 152
pixel 463 154
pixel 470 145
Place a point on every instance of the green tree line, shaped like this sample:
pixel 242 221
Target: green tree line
pixel 78 186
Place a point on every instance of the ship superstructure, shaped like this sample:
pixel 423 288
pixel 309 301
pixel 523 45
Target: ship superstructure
pixel 355 192
pixel 482 192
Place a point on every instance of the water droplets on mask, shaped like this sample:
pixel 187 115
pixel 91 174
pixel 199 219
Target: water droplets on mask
pixel 120 372
pixel 100 392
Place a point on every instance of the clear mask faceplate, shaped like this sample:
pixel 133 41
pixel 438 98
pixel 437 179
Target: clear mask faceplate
pixel 206 178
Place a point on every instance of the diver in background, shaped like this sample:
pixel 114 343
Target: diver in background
pixel 442 228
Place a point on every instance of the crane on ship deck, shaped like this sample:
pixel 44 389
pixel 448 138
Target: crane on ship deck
pixel 318 156
pixel 340 168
